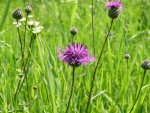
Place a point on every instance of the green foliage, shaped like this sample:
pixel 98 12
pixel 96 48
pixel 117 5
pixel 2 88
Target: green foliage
pixel 115 86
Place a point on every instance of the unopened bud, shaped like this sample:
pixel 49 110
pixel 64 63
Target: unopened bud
pixel 17 14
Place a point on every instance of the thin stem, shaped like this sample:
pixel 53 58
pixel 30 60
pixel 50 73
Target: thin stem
pixel 26 64
pixel 27 84
pixel 19 86
pixel 95 70
pixel 20 40
pixel 127 69
pixel 18 30
pixel 17 89
pixel 25 32
pixel 30 47
pixel 73 73
pixel 138 94
pixel 93 26
pixel 127 64
pixel 24 53
pixel 73 38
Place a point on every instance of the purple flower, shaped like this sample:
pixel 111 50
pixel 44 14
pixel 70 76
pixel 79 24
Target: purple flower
pixel 75 55
pixel 115 4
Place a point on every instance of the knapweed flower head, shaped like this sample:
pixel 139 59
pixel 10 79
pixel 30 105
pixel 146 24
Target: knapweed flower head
pixel 114 7
pixel 145 64
pixel 75 55
pixel 17 14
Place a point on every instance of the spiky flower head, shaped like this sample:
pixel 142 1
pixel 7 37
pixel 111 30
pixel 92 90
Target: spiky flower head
pixel 127 56
pixel 113 7
pixel 28 9
pixel 75 55
pixel 73 31
pixel 17 14
pixel 145 64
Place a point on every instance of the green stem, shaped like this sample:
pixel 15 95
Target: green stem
pixel 95 70
pixel 17 89
pixel 24 53
pixel 30 47
pixel 26 65
pixel 73 38
pixel 73 73
pixel 20 40
pixel 25 32
pixel 138 94
pixel 19 86
pixel 18 30
pixel 127 69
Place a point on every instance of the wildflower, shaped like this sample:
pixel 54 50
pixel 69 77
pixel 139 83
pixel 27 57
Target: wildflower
pixel 17 14
pixel 37 29
pixel 17 24
pixel 30 16
pixel 73 31
pixel 145 64
pixel 75 55
pixel 28 9
pixel 114 7
pixel 32 23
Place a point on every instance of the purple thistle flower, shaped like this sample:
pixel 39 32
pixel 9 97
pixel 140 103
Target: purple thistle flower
pixel 75 55
pixel 115 4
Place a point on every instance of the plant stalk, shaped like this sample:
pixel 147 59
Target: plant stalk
pixel 72 87
pixel 25 32
pixel 18 30
pixel 95 70
pixel 138 94
pixel 19 86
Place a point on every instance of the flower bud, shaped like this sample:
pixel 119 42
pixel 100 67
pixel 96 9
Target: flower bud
pixel 28 9
pixel 127 56
pixel 17 14
pixel 73 31
pixel 35 87
pixel 145 64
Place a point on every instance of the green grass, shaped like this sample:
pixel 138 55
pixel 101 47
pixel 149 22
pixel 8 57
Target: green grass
pixel 114 88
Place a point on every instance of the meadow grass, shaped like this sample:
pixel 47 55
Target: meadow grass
pixel 115 86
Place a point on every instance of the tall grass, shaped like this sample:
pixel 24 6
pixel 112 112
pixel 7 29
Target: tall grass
pixel 114 90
